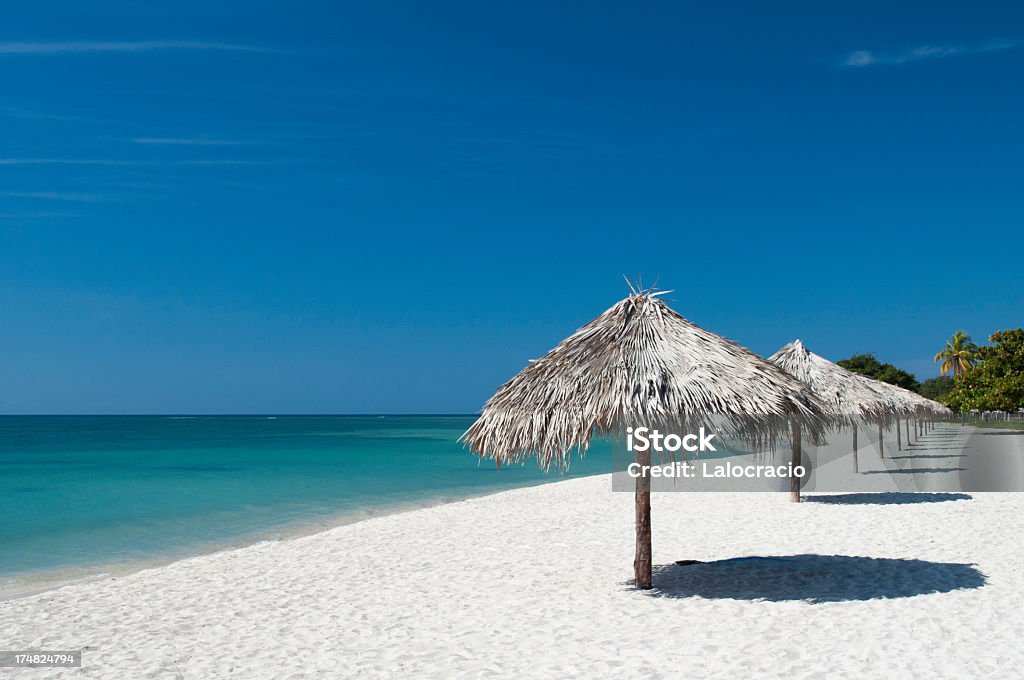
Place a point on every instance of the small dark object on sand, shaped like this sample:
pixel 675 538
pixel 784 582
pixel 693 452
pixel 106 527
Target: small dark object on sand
pixel 686 563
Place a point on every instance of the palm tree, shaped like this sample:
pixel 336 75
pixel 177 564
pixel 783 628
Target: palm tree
pixel 959 355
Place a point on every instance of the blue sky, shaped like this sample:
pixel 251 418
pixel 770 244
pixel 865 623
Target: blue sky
pixel 391 206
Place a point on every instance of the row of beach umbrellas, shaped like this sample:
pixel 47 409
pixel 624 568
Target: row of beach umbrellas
pixel 854 399
pixel 642 364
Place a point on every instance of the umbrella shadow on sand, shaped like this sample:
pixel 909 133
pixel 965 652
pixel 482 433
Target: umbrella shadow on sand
pixel 812 578
pixel 912 471
pixel 886 498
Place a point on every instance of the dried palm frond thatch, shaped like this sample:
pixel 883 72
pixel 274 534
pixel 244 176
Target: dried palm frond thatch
pixel 923 406
pixel 912 405
pixel 852 397
pixel 922 410
pixel 638 364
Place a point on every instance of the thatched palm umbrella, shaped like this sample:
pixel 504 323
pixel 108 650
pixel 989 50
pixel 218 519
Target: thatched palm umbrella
pixel 638 364
pixel 907 404
pixel 922 409
pixel 911 405
pixel 850 397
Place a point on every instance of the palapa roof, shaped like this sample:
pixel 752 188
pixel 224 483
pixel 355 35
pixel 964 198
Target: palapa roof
pixel 913 404
pixel 936 407
pixel 850 393
pixel 851 396
pixel 638 364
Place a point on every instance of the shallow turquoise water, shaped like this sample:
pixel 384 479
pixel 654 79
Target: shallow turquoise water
pixel 84 494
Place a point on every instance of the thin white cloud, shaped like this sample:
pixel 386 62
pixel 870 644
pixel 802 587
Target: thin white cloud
pixel 108 161
pixel 227 161
pixel 67 161
pixel 862 58
pixel 35 215
pixel 16 112
pixel 187 141
pixel 85 46
pixel 54 196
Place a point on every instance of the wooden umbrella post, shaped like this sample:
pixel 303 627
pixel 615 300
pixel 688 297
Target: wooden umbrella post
pixel 899 437
pixel 856 463
pixel 794 481
pixel 908 431
pixel 881 449
pixel 642 567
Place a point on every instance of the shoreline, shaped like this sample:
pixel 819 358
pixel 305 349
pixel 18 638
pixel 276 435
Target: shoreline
pixel 55 579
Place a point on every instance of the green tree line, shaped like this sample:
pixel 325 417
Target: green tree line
pixel 987 378
pixel 994 380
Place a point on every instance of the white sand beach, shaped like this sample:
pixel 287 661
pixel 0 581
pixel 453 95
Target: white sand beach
pixel 533 583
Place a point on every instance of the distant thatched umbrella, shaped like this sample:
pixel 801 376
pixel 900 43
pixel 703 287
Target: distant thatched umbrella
pixel 851 397
pixel 908 404
pixel 638 364
pixel 923 405
pixel 847 393
pixel 913 405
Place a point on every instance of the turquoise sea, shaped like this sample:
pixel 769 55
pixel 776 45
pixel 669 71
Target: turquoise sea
pixel 80 496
